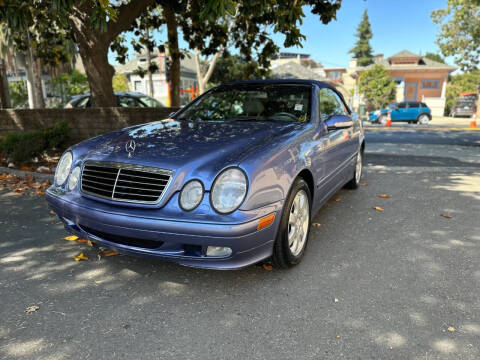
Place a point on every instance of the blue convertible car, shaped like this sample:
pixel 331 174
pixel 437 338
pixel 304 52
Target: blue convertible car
pixel 230 180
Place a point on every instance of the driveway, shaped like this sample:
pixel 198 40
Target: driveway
pixel 402 283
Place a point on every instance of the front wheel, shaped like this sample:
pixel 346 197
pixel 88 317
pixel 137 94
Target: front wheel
pixel 294 228
pixel 357 175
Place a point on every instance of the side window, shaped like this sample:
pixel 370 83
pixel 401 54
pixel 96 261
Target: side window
pixel 126 101
pixel 413 105
pixel 330 104
pixel 402 105
pixel 82 104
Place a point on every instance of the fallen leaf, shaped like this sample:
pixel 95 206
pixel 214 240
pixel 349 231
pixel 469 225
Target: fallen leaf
pixel 71 238
pixel 32 308
pixel 335 300
pixel 316 224
pixel 90 243
pixel 337 336
pixel 338 200
pixel 268 267
pixel 107 252
pixel 80 256
pixel 82 241
pixel 446 216
pixel 451 329
pixel 384 196
pixel 378 208
pixel 364 184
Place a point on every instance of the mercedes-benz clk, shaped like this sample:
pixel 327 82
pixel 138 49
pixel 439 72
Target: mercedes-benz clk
pixel 230 180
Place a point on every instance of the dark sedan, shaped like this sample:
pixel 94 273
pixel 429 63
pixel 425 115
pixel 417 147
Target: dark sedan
pixel 464 107
pixel 124 99
pixel 232 179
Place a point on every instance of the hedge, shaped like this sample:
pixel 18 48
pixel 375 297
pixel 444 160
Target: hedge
pixel 24 146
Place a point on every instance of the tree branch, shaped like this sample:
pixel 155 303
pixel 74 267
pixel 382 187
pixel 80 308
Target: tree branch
pixel 126 15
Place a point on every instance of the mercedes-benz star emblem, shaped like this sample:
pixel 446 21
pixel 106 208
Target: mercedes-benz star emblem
pixel 130 147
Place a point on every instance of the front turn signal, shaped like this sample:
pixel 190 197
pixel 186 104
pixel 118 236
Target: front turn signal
pixel 265 221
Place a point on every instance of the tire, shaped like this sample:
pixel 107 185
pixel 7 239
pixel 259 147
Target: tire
pixel 423 119
pixel 382 119
pixel 354 183
pixel 290 245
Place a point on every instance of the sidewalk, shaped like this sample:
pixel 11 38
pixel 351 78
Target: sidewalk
pixel 437 123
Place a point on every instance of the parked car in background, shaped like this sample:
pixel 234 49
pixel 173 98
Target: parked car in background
pixel 124 99
pixel 464 107
pixel 232 179
pixel 409 111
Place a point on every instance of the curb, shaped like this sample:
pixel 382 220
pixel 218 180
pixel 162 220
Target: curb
pixel 22 173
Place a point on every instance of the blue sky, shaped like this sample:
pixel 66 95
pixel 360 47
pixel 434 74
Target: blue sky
pixel 396 25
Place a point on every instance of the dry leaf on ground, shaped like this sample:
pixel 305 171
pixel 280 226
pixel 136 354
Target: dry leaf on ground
pixel 91 243
pixel 446 216
pixel 364 184
pixel 107 252
pixel 80 256
pixel 71 238
pixel 82 241
pixel 338 200
pixel 451 329
pixel 378 208
pixel 337 336
pixel 315 224
pixel 32 308
pixel 268 267
pixel 384 196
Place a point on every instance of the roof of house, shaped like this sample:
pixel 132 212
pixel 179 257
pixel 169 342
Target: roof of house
pixel 293 70
pixel 423 63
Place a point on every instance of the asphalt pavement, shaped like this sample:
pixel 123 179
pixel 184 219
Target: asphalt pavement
pixel 402 283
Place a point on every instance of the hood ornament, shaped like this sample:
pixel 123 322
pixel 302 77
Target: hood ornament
pixel 130 147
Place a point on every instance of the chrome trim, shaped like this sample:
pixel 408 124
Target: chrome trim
pixel 126 166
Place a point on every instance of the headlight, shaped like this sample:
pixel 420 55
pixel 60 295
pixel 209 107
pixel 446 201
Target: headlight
pixel 63 168
pixel 228 190
pixel 73 179
pixel 191 195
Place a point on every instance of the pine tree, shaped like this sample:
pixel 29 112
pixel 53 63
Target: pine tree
pixel 362 50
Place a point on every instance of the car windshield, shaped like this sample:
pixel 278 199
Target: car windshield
pixel 253 102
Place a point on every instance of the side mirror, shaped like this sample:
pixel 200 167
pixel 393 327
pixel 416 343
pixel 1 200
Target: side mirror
pixel 337 122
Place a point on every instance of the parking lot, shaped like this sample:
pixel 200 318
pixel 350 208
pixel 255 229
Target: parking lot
pixel 402 283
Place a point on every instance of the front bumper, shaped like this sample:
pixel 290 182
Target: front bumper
pixel 180 241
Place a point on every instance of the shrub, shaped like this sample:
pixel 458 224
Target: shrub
pixel 23 146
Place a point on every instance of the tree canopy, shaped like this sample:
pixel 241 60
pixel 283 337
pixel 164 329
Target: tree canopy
pixel 362 50
pixel 460 32
pixel 377 87
pixel 435 57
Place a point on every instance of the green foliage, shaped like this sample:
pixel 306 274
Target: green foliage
pixel 457 84
pixel 22 147
pixel 70 84
pixel 120 82
pixel 460 32
pixel 362 50
pixel 377 87
pixel 234 67
pixel 435 57
pixel 18 94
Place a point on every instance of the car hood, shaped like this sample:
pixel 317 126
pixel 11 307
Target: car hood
pixel 190 146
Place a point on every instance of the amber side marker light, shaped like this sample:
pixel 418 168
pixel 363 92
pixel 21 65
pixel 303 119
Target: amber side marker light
pixel 265 221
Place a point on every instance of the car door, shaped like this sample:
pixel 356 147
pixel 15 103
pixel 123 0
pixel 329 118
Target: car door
pixel 399 112
pixel 336 143
pixel 412 110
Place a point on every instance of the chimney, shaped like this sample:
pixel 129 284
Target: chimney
pixel 352 63
pixel 378 58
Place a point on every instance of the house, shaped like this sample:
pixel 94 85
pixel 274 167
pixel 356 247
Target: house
pixel 417 78
pixel 335 74
pixel 139 82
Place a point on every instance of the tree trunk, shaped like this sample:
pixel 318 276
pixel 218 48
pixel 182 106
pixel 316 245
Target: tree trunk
pixel 37 85
pixel 99 72
pixel 174 53
pixel 149 63
pixel 4 93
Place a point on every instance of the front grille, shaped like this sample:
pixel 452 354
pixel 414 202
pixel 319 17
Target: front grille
pixel 124 182
pixel 123 240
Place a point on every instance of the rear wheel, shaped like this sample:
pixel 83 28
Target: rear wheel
pixel 382 119
pixel 294 228
pixel 423 119
pixel 357 175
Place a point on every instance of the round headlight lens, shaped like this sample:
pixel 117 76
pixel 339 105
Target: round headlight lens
pixel 63 168
pixel 229 190
pixel 73 179
pixel 191 195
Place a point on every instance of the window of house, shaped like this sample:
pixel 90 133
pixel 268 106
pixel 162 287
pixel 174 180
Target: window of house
pixel 430 84
pixel 138 86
